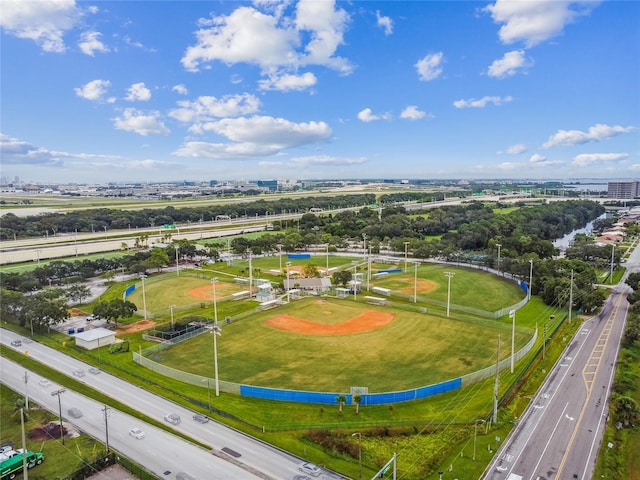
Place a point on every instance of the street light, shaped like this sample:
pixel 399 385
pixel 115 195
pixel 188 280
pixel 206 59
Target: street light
pixel 475 434
pixel 359 450
pixel 449 275
pixel 58 392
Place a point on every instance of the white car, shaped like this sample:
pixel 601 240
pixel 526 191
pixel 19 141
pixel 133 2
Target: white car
pixel 136 433
pixel 310 469
pixel 44 382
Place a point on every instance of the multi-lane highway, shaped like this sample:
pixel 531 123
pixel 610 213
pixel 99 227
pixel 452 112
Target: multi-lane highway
pixel 232 454
pixel 559 435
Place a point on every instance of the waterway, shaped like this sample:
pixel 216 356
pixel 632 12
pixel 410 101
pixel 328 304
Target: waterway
pixel 565 242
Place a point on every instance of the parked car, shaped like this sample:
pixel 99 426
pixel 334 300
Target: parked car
pixel 74 412
pixel 136 433
pixel 310 469
pixel 16 343
pixel 198 417
pixel 172 418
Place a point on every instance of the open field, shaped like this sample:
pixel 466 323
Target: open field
pixel 413 349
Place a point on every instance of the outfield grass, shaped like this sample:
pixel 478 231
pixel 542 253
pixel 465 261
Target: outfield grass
pixel 414 350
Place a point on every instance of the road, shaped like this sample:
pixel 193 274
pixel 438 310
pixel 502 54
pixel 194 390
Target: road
pixel 559 435
pixel 256 459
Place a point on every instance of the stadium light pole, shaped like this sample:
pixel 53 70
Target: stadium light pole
pixel 359 451
pixel 415 283
pixel 58 393
pixel 530 278
pixel 498 264
pixel 144 297
pixel 475 434
pixel 288 264
pixel 512 315
pixel 327 272
pixel 449 275
pixel 406 251
pixel 280 255
pixel 215 332
pixel 171 309
pixel 177 262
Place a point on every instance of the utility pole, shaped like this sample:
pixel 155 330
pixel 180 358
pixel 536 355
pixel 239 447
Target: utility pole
pixel 24 446
pixel 406 251
pixel 106 425
pixel 449 275
pixel 571 297
pixel 26 391
pixel 58 393
pixel 613 249
pixel 498 263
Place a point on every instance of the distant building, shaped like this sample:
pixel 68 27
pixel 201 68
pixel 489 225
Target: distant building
pixel 623 190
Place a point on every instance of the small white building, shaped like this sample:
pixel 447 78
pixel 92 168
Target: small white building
pixel 95 338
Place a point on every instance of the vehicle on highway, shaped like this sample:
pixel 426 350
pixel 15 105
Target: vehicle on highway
pixel 198 417
pixel 310 469
pixel 172 418
pixel 94 370
pixel 11 464
pixel 136 433
pixel 78 372
pixel 74 412
pixel 44 382
pixel 16 343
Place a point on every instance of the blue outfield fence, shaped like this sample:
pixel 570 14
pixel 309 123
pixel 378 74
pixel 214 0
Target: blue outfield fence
pixel 327 398
pixel 390 270
pixel 298 256
pixel 524 286
pixel 130 289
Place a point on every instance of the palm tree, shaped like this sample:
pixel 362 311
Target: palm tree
pixel 341 399
pixel 357 399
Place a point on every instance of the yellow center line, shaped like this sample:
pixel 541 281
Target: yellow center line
pixel 604 336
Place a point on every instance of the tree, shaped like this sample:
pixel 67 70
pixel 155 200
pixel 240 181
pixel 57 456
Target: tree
pixel 45 308
pixel 341 399
pixel 310 270
pixel 115 310
pixel 357 399
pixel 158 258
pixel 626 409
pixel 77 292
pixel 342 277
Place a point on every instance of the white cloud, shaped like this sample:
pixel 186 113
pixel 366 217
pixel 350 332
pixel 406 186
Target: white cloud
pixel 43 22
pixel 596 133
pixel 385 22
pixel 429 67
pixel 255 136
pixel 412 113
pixel 509 64
pixel 18 152
pixel 90 43
pixel 95 90
pixel 537 158
pixel 482 102
pixel 533 22
pixel 138 91
pixel 288 82
pixel 133 120
pixel 272 40
pixel 181 89
pixel 514 149
pixel 208 108
pixel 367 116
pixel 587 159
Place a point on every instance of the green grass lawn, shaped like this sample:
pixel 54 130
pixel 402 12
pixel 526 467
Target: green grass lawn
pixel 413 350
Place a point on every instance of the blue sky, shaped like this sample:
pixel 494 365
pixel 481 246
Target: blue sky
pixel 167 90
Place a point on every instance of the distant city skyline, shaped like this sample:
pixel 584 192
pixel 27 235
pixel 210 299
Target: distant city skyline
pixel 167 91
